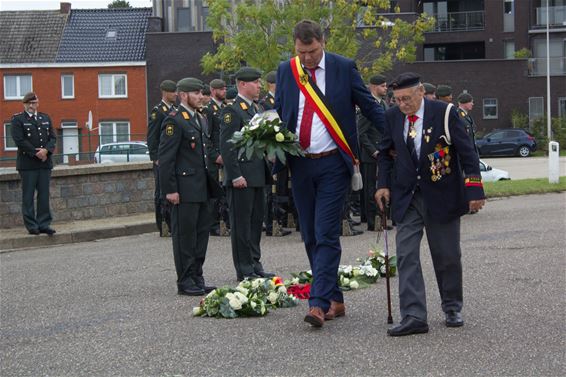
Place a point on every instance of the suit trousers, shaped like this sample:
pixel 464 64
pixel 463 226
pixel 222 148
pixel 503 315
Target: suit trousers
pixel 190 226
pixel 319 189
pixel 246 209
pixel 36 180
pixel 367 202
pixel 444 243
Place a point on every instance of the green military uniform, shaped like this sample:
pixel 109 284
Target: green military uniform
pixel 246 205
pixel 30 132
pixel 467 118
pixel 183 170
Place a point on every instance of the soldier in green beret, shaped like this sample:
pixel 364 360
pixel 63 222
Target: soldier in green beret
pixel 444 93
pixel 465 105
pixel 430 91
pixel 186 184
pixel 231 94
pixel 244 179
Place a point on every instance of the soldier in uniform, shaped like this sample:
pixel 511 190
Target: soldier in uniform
pixel 444 93
pixel 158 113
pixel 430 91
pixel 369 139
pixel 465 105
pixel 244 179
pixel 34 136
pixel 186 185
pixel 206 92
pixel 231 94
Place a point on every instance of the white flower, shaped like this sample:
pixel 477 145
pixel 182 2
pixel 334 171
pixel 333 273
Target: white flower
pixel 356 272
pixel 243 299
pixel 282 289
pixel 382 269
pixel 253 304
pixel 272 297
pixel 276 128
pixel 255 283
pixel 279 137
pixel 346 281
pixel 243 290
pixel 197 310
pixel 294 281
pixel 347 269
pixel 354 284
pixel 233 301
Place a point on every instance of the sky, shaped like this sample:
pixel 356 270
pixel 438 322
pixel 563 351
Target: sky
pixel 54 4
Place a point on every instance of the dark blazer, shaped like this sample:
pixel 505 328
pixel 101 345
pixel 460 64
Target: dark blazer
pixel 29 134
pixel 255 170
pixel 212 112
pixel 182 166
pixel 446 198
pixel 369 137
pixel 158 114
pixel 344 90
pixel 267 102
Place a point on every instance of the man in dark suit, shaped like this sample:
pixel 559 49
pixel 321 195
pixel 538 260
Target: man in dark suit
pixel 424 180
pixel 34 136
pixel 322 177
pixel 244 179
pixel 158 113
pixel 185 183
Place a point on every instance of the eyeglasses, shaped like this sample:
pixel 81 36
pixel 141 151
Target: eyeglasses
pixel 404 99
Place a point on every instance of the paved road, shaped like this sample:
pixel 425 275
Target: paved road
pixel 110 308
pixel 522 168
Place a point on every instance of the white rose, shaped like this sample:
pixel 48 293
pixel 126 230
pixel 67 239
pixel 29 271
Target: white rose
pixel 276 128
pixel 348 269
pixel 272 297
pixel 382 269
pixel 243 299
pixel 346 281
pixel 255 283
pixel 197 310
pixel 282 289
pixel 243 290
pixel 354 284
pixel 233 301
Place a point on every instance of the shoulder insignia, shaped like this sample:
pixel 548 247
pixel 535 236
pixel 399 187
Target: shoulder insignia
pixel 186 115
pixel 153 115
pixel 169 130
pixel 227 118
pixel 461 112
pixel 215 107
pixel 243 105
pixel 164 108
pixel 271 100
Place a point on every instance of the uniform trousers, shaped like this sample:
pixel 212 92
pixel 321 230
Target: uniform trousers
pixel 368 207
pixel 36 180
pixel 444 243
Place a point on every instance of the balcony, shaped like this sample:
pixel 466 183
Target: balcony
pixel 557 16
pixel 459 21
pixel 537 66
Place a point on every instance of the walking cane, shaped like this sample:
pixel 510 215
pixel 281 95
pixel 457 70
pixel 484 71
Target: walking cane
pixel 386 252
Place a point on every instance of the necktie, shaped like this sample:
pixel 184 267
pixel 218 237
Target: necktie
pixel 306 121
pixel 411 134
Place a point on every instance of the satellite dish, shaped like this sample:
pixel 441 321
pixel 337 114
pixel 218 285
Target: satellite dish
pixel 89 121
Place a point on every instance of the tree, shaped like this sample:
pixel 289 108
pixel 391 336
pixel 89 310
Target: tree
pixel 259 33
pixel 115 4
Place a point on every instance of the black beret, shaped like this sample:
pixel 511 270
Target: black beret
pixel 231 93
pixel 168 86
pixel 271 77
pixel 377 79
pixel 217 84
pixel 429 88
pixel 29 97
pixel 206 90
pixel 443 91
pixel 190 84
pixel 247 74
pixel 465 98
pixel 405 80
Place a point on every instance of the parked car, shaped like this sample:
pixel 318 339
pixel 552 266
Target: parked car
pixel 509 141
pixel 126 151
pixel 489 174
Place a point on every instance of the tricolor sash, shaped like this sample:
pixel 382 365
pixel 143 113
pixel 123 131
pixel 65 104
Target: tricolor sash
pixel 313 94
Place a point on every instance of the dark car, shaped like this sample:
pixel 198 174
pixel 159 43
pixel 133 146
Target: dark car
pixel 508 141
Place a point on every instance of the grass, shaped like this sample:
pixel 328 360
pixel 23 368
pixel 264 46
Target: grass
pixel 523 187
pixel 539 153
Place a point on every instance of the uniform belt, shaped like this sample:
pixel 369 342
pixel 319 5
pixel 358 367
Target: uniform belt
pixel 322 154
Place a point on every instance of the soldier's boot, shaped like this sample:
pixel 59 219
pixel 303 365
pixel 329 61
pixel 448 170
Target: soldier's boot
pixel 291 221
pixel 277 230
pixel 165 231
pixel 348 230
pixel 224 231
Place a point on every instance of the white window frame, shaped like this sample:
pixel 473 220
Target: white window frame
pixel 72 95
pixel 6 138
pixel 114 76
pixel 19 94
pixel 115 138
pixel 496 105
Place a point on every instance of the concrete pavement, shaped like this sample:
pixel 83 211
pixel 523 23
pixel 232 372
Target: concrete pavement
pixel 523 168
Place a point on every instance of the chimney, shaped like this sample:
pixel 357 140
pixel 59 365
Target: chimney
pixel 65 8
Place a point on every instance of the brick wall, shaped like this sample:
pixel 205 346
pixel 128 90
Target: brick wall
pixel 84 192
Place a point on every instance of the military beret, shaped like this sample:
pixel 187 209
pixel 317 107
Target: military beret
pixel 29 97
pixel 206 90
pixel 377 79
pixel 429 88
pixel 247 74
pixel 271 77
pixel 405 80
pixel 465 98
pixel 217 84
pixel 168 86
pixel 231 93
pixel 443 91
pixel 190 84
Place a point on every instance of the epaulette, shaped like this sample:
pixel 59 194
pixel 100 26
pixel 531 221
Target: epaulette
pixel 244 106
pixel 164 108
pixel 461 112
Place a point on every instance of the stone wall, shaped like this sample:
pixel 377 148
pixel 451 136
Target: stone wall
pixel 84 192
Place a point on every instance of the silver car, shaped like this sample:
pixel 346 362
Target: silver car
pixel 125 151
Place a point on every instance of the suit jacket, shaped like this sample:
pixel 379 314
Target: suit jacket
pixel 158 113
pixel 212 112
pixel 369 137
pixel 446 198
pixel 268 102
pixel 255 170
pixel 344 90
pixel 29 134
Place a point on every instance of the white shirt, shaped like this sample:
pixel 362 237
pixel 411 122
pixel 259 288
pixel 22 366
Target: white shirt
pixel 321 141
pixel 418 128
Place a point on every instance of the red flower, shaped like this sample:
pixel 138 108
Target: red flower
pixel 300 291
pixel 277 281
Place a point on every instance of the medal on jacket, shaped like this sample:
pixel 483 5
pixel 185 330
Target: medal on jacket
pixel 439 162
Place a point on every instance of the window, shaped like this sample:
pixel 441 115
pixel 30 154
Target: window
pixel 490 108
pixel 205 12
pixel 112 85
pixel 67 86
pixel 509 16
pixel 562 107
pixel 454 51
pixel 114 131
pixel 184 19
pixel 9 143
pixel 536 108
pixel 16 86
pixel 509 49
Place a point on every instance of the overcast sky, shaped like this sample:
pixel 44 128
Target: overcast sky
pixel 54 4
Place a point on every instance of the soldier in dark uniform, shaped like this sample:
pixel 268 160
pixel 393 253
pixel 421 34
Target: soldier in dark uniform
pixel 369 139
pixel 444 93
pixel 231 94
pixel 158 113
pixel 429 91
pixel 186 185
pixel 33 133
pixel 465 105
pixel 205 95
pixel 244 179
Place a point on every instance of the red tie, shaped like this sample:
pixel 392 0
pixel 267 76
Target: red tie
pixel 306 121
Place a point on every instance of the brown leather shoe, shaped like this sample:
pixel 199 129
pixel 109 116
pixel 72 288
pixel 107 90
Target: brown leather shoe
pixel 337 309
pixel 315 317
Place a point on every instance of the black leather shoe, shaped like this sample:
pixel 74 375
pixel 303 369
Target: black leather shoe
pixel 264 274
pixel 48 231
pixel 454 319
pixel 249 277
pixel 33 232
pixel 191 291
pixel 201 284
pixel 408 326
pixel 215 233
